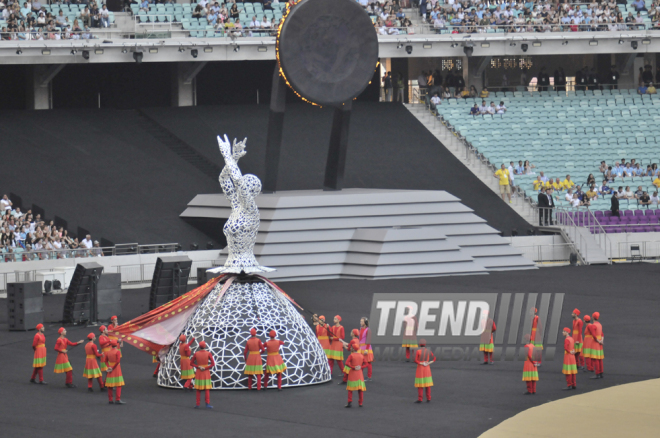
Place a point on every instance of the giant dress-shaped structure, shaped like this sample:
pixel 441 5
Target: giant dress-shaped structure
pixel 243 299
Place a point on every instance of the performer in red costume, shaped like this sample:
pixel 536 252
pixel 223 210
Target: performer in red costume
pixel 409 332
pixel 115 378
pixel 322 332
pixel 252 355
pixel 530 372
pixel 203 361
pixel 536 339
pixel 355 340
pixel 92 370
pixel 577 337
pixel 62 364
pixel 155 359
pixel 274 362
pixel 423 378
pixel 187 371
pixel 570 368
pixel 365 345
pixel 597 353
pixel 588 340
pixel 114 322
pixel 104 342
pixel 486 344
pixel 337 346
pixel 39 360
pixel 355 363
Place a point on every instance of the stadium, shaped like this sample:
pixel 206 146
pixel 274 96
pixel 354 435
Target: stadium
pixel 207 206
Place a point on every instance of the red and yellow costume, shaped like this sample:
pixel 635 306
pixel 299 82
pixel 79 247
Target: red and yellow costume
pixel 337 346
pixel 111 327
pixel 115 378
pixel 187 371
pixel 104 342
pixel 537 343
pixel 355 362
pixel 588 340
pixel 569 368
pixel 252 355
pixel 577 337
pixel 355 333
pixel 62 364
pixel 530 372
pixel 92 370
pixel 423 377
pixel 365 349
pixel 597 353
pixel 486 341
pixel 39 359
pixel 274 362
pixel 203 359
pixel 409 334
pixel 324 339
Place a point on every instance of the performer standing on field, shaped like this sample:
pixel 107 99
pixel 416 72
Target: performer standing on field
pixel 114 322
pixel 577 337
pixel 187 371
pixel 486 344
pixel 115 378
pixel 355 340
pixel 39 360
pixel 355 363
pixel 597 353
pixel 274 362
pixel 252 355
pixel 104 342
pixel 203 361
pixel 365 345
pixel 92 370
pixel 409 332
pixel 530 372
pixel 423 378
pixel 322 330
pixel 536 338
pixel 337 345
pixel 570 368
pixel 62 364
pixel 588 340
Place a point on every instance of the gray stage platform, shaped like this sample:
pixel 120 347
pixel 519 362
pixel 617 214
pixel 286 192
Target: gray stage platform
pixel 369 234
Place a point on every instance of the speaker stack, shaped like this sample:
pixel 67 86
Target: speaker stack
pixel 25 305
pixel 81 299
pixel 170 280
pixel 108 296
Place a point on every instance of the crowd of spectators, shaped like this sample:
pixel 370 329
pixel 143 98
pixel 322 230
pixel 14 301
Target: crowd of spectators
pixel 25 236
pixel 32 21
pixel 477 16
pixel 226 19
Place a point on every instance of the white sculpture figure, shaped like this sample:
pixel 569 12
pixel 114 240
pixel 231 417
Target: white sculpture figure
pixel 243 223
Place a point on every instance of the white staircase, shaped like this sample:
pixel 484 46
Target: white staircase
pixel 589 249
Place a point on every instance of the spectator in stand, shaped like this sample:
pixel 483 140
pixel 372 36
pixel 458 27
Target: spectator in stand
pixel 592 193
pixel 87 242
pixel 474 111
pixel 528 168
pixel 644 199
pixel 620 194
pixel 473 91
pixel 520 169
pixel 617 171
pixel 651 89
pixel 642 89
pixel 568 182
pixel 5 203
pixel 639 192
pixel 484 93
pixel 604 189
pixel 483 108
pixel 96 250
pixel 490 110
pixel 504 177
pixel 501 109
pixel 558 185
pixel 628 194
pixel 603 167
pixel 654 199
pixel 569 196
pixel 435 102
pixel 543 177
pixel 579 193
pixel 591 180
pixel 538 184
pixel 656 182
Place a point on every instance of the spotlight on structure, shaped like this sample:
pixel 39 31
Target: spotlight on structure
pixel 454 45
pixel 536 44
pixel 512 44
pixel 530 232
pixel 85 54
pixel 409 49
pixel 124 50
pixel 182 49
pixel 237 48
pixel 646 41
pixel 98 51
pixel 485 45
pixel 427 46
pixel 468 51
pixel 209 245
pixel 45 52
pixel 194 246
pixel 564 43
pixel 19 51
pixel 153 50
pixel 524 47
pixel 399 46
pixel 138 57
pixel 593 42
pixel 74 51
pixel 621 41
pixel 633 44
pixel 209 49
pixel 194 53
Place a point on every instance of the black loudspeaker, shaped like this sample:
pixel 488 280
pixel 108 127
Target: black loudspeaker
pixel 109 296
pixel 170 279
pixel 25 305
pixel 203 276
pixel 80 304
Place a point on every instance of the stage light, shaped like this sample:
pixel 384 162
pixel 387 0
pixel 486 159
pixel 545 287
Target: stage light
pixel 45 52
pixel 153 50
pixel 19 51
pixel 530 231
pixel 524 47
pixel 633 44
pixel 194 53
pixel 398 46
pixel 237 48
pixel 593 43
pixel 138 57
pixel 536 44
pixel 85 54
pixel 512 44
pixel 74 51
pixel 485 45
pixel 646 41
pixel 194 246
pixel 210 49
pixel 621 41
pixel 454 45
pixel 209 245
pixel 177 247
pixel 98 51
pixel 182 49
pixel 124 50
pixel 564 43
pixel 262 49
pixel 409 49
pixel 468 51
pixel 427 46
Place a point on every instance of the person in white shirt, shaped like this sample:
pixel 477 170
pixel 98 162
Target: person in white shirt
pixel 483 109
pixel 254 24
pixel 501 109
pixel 569 196
pixel 5 203
pixel 203 3
pixel 87 242
pixel 575 202
pixel 491 109
pixel 654 199
pixel 435 100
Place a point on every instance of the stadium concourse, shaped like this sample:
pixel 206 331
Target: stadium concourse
pixel 468 399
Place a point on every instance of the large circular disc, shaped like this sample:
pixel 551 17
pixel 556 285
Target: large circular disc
pixel 328 50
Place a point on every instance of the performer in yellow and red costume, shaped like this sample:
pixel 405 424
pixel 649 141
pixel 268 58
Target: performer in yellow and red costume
pixel 569 369
pixel 203 361
pixel 187 371
pixel 274 363
pixel 115 378
pixel 92 370
pixel 577 337
pixel 337 345
pixel 530 371
pixel 252 354
pixel 597 353
pixel 39 359
pixel 62 365
pixel 365 345
pixel 423 378
pixel 355 363
pixel 486 342
pixel 588 340
pixel 323 335
pixel 410 325
pixel 104 343
pixel 355 340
